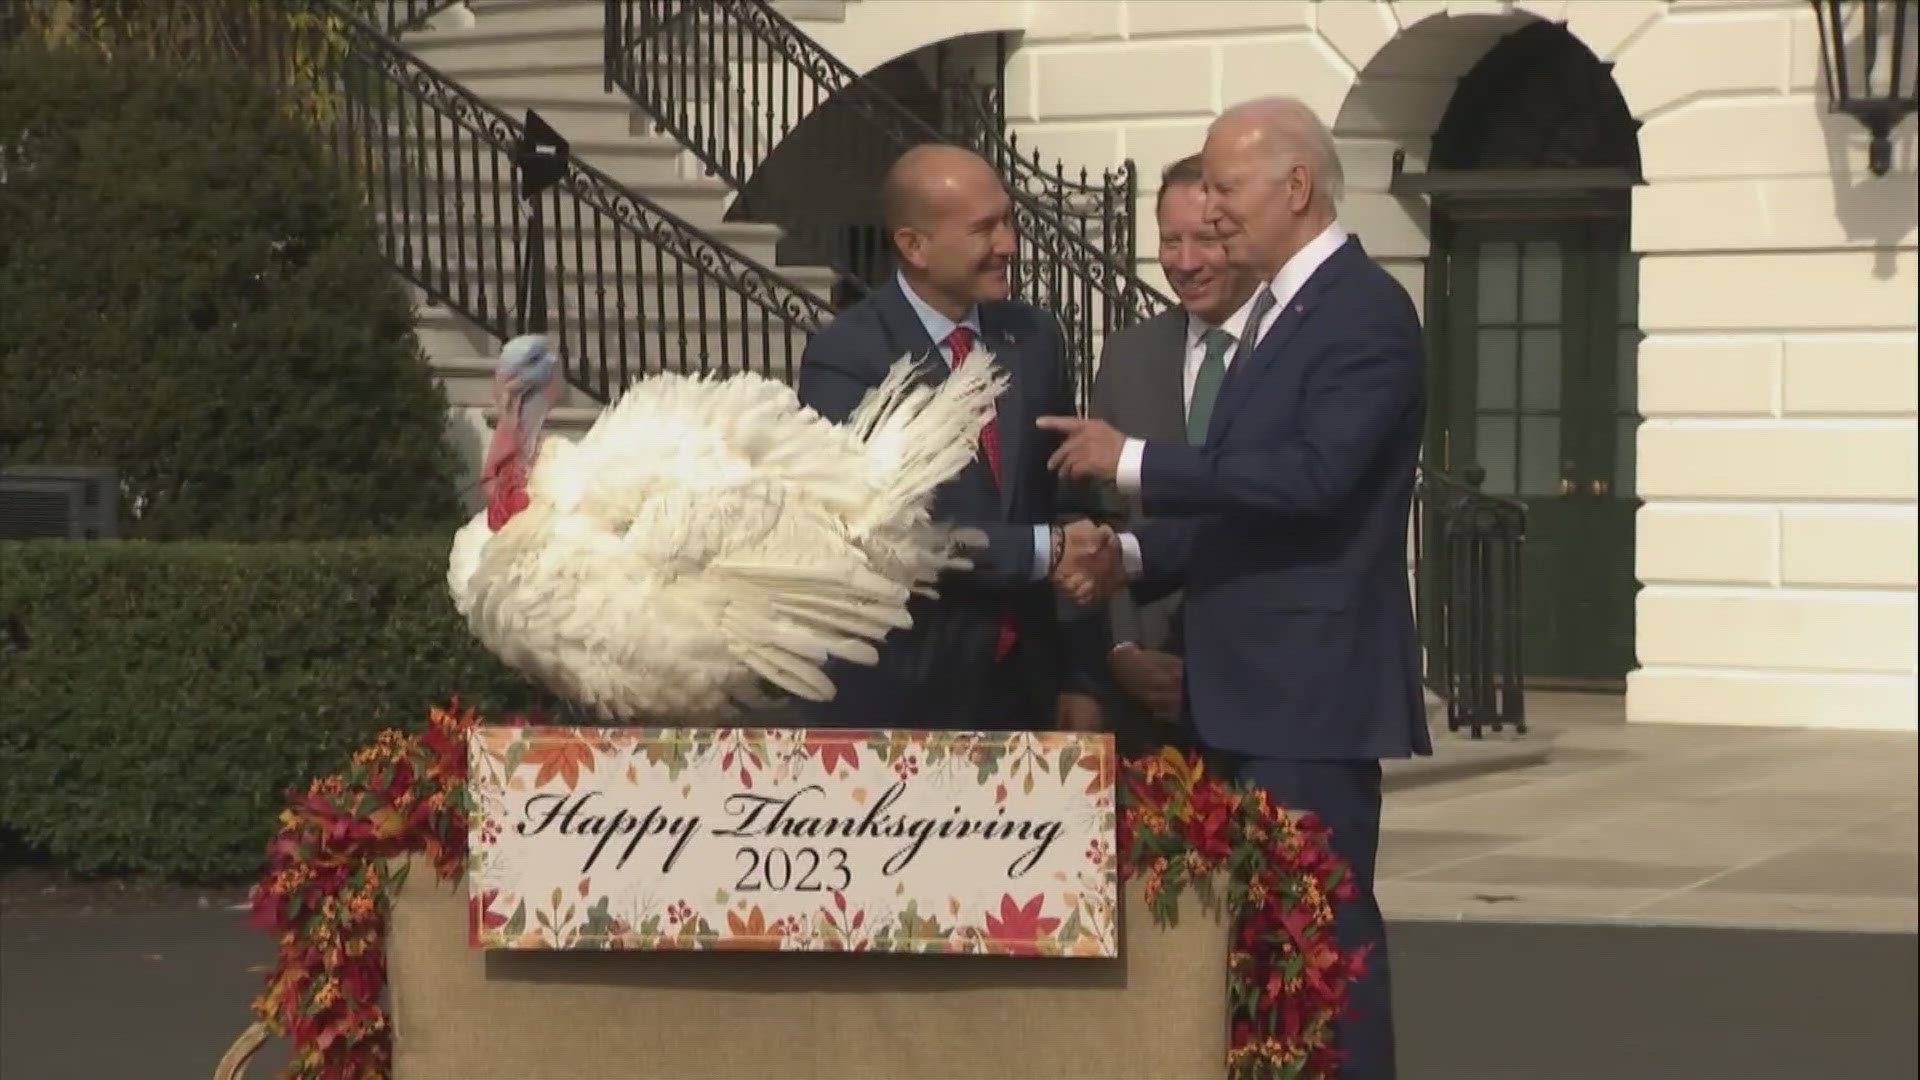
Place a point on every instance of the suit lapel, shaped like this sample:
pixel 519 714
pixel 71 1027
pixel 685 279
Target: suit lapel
pixel 906 334
pixel 1233 390
pixel 1244 375
pixel 1164 384
pixel 1010 421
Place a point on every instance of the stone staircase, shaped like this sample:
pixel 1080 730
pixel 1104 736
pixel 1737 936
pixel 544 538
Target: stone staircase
pixel 545 55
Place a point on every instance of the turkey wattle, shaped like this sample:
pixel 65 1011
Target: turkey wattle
pixel 708 544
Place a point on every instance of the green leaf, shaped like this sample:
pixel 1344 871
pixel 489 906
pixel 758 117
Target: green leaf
pixel 1070 930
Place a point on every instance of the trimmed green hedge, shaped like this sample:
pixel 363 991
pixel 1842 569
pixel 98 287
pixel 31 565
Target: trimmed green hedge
pixel 193 293
pixel 157 701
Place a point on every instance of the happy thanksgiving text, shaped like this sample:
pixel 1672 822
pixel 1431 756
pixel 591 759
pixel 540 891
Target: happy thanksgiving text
pixel 808 861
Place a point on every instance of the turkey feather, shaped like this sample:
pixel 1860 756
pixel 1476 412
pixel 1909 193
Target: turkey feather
pixel 709 545
pixel 917 437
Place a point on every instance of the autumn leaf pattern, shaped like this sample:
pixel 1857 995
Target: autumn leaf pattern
pixel 1019 927
pixel 831 748
pixel 562 754
pixel 1009 769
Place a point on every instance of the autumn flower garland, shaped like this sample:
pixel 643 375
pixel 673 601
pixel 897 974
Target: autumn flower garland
pixel 327 887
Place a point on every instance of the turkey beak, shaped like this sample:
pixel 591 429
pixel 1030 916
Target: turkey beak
pixel 531 407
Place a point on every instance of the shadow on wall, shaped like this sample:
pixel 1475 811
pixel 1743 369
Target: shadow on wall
pixel 1878 209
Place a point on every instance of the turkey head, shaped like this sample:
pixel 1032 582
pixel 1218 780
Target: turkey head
pixel 525 386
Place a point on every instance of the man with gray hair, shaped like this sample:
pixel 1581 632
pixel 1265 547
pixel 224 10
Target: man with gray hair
pixel 1286 524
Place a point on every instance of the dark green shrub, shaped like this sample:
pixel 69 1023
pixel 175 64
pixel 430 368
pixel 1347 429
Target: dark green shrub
pixel 195 295
pixel 158 700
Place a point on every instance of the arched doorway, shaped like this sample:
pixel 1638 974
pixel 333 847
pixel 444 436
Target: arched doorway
pixel 1532 320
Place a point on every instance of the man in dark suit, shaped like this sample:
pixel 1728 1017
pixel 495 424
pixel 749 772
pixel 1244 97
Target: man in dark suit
pixel 1301 656
pixel 998 649
pixel 1149 385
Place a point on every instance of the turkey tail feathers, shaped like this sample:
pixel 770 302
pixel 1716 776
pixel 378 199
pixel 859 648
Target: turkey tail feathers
pixel 784 621
pixel 919 437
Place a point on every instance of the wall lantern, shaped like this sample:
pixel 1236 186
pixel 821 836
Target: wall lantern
pixel 1873 74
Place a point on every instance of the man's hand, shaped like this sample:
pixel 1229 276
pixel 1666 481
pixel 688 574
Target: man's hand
pixel 1090 568
pixel 1150 677
pixel 1091 449
pixel 1078 712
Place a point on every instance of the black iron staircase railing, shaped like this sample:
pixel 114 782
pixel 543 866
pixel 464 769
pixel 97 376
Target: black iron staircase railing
pixel 629 287
pixel 1100 210
pixel 730 79
pixel 1467 550
pixel 623 286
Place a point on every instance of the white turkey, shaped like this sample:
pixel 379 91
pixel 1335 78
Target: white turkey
pixel 708 544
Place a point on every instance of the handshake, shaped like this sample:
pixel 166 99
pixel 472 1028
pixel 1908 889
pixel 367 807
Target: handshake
pixel 1087 566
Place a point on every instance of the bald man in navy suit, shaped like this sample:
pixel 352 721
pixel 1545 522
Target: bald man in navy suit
pixel 998 649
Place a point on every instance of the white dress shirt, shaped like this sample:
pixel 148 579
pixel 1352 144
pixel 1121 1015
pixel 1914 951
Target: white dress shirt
pixel 1284 287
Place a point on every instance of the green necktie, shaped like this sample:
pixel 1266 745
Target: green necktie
pixel 1213 368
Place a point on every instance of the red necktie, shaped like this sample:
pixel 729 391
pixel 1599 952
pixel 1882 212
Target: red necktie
pixel 961 343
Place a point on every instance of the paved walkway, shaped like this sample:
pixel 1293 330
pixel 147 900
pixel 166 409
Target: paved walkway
pixel 1664 824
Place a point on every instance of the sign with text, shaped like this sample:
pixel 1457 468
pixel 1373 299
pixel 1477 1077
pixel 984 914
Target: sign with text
pixel 789 839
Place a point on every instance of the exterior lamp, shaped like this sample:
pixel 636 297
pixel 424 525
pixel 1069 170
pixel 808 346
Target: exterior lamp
pixel 1868 49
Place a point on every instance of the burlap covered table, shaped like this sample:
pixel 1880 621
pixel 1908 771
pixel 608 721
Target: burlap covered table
pixel 1159 1012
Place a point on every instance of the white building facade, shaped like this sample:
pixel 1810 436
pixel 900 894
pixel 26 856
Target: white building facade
pixel 1691 351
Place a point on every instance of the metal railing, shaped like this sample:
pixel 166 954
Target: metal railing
pixel 397 16
pixel 623 286
pixel 1467 551
pixel 1099 210
pixel 731 79
pixel 630 287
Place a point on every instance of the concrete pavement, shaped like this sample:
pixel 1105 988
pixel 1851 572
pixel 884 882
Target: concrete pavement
pixel 1666 824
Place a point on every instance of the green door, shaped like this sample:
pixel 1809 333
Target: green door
pixel 1535 352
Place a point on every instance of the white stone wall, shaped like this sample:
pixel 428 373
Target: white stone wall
pixel 1777 378
pixel 1778 385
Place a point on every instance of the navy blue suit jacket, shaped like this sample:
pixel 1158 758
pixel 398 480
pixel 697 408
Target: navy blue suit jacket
pixel 934 675
pixel 1290 530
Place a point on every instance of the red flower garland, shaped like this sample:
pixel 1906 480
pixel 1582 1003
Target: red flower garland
pixel 327 888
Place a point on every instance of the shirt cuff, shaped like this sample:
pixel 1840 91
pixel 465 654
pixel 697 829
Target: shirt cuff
pixel 1130 556
pixel 1042 552
pixel 1126 476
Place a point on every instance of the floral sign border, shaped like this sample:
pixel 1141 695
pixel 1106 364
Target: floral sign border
pixel 1073 771
pixel 329 884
